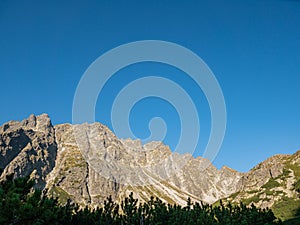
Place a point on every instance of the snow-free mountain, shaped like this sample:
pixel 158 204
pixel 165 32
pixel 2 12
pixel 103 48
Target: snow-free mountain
pixel 86 163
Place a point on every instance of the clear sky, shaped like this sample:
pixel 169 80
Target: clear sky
pixel 253 48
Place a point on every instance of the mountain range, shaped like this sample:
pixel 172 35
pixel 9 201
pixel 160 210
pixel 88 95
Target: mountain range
pixel 86 163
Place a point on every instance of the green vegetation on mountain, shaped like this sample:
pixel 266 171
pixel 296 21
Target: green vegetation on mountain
pixel 288 210
pixel 272 183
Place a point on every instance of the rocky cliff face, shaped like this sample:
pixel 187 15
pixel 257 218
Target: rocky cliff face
pixel 86 163
pixel 73 177
pixel 28 148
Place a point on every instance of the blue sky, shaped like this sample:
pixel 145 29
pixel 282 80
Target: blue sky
pixel 253 48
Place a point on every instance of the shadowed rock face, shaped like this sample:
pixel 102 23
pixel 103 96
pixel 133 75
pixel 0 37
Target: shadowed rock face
pixel 28 148
pixel 86 163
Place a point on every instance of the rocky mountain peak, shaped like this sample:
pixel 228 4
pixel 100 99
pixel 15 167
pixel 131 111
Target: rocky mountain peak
pixel 226 168
pixel 32 122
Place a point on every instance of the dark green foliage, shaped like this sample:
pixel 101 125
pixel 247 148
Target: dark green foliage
pixel 272 183
pixel 20 204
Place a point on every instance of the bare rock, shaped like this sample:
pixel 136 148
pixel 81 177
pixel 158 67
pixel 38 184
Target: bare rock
pixel 28 148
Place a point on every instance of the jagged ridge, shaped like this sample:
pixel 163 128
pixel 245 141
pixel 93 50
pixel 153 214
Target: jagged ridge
pixel 102 165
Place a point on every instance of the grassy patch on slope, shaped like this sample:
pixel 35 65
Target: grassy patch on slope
pixel 287 209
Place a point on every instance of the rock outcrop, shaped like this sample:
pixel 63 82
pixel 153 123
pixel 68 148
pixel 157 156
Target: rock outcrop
pixel 28 148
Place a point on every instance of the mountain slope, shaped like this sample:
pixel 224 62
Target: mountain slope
pixel 274 183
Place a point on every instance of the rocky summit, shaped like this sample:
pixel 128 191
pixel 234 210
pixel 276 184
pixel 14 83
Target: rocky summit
pixel 86 163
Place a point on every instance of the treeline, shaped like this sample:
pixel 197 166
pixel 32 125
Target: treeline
pixel 19 204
